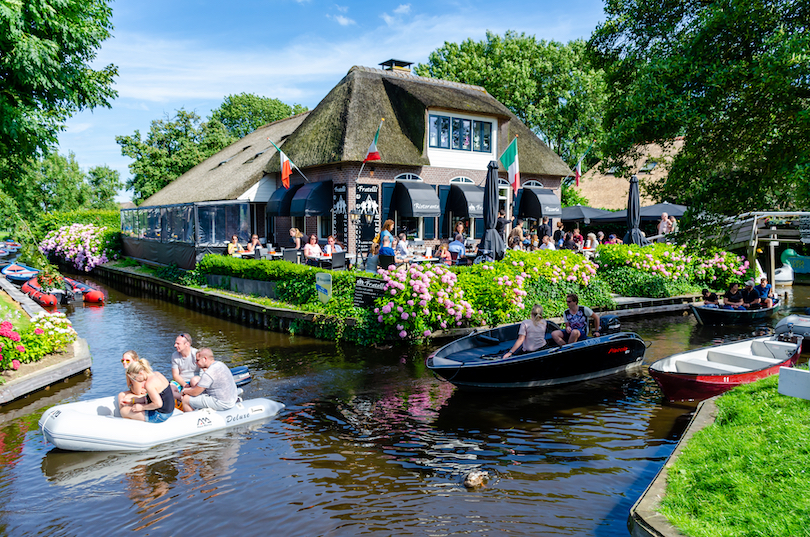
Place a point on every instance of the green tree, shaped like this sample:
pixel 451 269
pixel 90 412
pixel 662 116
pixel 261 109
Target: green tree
pixel 47 48
pixel 732 77
pixel 172 147
pixel 242 114
pixel 548 85
pixel 104 185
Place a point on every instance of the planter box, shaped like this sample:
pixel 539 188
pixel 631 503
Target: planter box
pixel 242 285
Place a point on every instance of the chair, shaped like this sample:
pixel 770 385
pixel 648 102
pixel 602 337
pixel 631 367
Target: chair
pixel 290 254
pixel 257 253
pixel 454 258
pixel 386 261
pixel 339 261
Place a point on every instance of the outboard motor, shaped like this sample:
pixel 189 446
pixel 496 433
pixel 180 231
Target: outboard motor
pixel 610 324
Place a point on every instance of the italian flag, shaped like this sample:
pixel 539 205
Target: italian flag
pixel 286 169
pixel 510 161
pixel 373 152
pixel 578 171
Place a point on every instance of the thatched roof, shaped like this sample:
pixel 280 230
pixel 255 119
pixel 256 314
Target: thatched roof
pixel 231 172
pixel 609 191
pixel 341 127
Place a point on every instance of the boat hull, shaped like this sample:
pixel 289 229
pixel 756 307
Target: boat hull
pixel 95 425
pixel 551 366
pixel 717 316
pixel 18 273
pixel 35 292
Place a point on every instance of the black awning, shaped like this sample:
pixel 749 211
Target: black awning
pixel 312 199
pixel 280 200
pixel 415 199
pixel 466 200
pixel 537 203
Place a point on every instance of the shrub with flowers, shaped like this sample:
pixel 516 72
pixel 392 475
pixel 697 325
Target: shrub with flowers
pixel 421 299
pixel 84 246
pixel 46 333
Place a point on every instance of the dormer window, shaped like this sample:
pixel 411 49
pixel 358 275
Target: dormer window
pixel 460 134
pixel 648 166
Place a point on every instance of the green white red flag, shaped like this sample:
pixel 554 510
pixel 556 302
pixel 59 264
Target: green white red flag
pixel 510 161
pixel 373 152
pixel 286 166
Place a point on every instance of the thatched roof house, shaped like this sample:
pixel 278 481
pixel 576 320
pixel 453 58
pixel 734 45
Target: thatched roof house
pixel 606 190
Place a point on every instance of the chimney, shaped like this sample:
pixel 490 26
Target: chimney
pixel 396 65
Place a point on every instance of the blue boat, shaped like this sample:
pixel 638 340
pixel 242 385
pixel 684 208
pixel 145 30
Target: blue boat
pixel 18 273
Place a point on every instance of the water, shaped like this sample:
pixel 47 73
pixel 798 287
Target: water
pixel 370 442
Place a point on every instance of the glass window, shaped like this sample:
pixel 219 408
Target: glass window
pixel 407 177
pixel 482 136
pixel 534 183
pixel 439 131
pixel 461 134
pixel 648 166
pixel 324 226
pixel 142 221
pixel 409 225
pixel 152 224
pixel 462 180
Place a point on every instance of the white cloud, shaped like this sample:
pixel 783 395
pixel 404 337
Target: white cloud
pixel 75 128
pixel 342 9
pixel 340 19
pixel 403 9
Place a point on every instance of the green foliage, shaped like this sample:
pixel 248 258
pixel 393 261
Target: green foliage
pixel 570 196
pixel 44 334
pixel 242 114
pixel 736 476
pixel 626 281
pixel 546 84
pixel 732 77
pixel 104 185
pixel 47 52
pixel 111 219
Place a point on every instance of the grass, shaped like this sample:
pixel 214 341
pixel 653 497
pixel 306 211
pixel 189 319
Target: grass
pixel 747 474
pixel 11 311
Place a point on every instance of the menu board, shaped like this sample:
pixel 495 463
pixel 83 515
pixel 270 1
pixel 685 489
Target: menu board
pixel 340 213
pixel 367 290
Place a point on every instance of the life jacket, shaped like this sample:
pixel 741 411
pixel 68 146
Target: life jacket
pixel 577 321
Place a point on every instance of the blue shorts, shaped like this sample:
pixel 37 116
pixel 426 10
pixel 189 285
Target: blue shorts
pixel 153 416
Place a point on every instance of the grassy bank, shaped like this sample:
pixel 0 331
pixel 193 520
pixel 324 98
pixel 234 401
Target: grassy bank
pixel 749 473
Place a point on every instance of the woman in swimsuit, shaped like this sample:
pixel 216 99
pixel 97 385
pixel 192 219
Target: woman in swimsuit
pixel 135 390
pixel 159 404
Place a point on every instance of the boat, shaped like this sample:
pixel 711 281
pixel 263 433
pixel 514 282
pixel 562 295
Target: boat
pixel 706 315
pixel 16 272
pixel 12 246
pixel 46 299
pixel 96 425
pixel 476 361
pixel 52 297
pixel 710 371
pixel 89 294
pixel 794 324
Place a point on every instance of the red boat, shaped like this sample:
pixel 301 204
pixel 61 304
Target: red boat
pixel 33 290
pixel 710 371
pixel 89 294
pixel 54 296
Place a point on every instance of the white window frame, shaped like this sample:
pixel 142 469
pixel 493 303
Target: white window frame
pixel 319 221
pixel 408 177
pixel 534 183
pixel 462 180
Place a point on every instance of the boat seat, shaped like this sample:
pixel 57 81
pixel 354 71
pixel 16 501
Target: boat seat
pixel 488 339
pixel 780 350
pixel 740 359
pixel 696 366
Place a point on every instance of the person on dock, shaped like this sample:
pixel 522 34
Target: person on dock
pixel 531 334
pixel 159 403
pixel 135 390
pixel 710 299
pixel 765 293
pixel 216 388
pixel 184 362
pixel 732 299
pixel 750 296
pixel 576 322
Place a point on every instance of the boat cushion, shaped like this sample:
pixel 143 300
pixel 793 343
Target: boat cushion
pixel 740 359
pixel 697 366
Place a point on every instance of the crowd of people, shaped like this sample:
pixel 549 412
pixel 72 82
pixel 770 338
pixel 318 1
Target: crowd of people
pixel 750 297
pixel 198 381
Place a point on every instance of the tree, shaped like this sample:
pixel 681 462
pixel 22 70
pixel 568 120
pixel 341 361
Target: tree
pixel 242 114
pixel 46 51
pixel 732 77
pixel 172 147
pixel 548 85
pixel 104 185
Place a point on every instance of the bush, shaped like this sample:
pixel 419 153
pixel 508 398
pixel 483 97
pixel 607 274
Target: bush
pixel 627 281
pixel 84 246
pixel 45 334
pixel 48 222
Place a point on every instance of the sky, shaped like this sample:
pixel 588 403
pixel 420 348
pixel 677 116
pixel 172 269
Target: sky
pixel 191 54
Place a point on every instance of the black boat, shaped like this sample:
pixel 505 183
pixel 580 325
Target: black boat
pixel 476 361
pixel 706 315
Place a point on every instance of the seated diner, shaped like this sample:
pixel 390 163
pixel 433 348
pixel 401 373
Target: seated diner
pixel 253 244
pixel 312 251
pixel 234 248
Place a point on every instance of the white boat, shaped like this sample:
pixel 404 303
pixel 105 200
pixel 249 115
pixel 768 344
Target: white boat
pixel 796 324
pixel 96 425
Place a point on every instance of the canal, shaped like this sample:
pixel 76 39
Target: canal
pixel 370 442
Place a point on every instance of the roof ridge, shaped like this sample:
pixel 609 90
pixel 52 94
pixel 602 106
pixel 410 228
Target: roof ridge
pixel 409 75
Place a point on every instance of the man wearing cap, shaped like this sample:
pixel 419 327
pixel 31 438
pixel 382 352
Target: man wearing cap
pixel 184 365
pixel 750 296
pixel 216 388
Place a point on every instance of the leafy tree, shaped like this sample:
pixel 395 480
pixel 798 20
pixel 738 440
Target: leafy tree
pixel 172 147
pixel 46 51
pixel 104 184
pixel 546 84
pixel 732 77
pixel 569 196
pixel 242 114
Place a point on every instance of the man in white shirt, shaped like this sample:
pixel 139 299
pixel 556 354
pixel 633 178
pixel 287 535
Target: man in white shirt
pixel 184 364
pixel 216 388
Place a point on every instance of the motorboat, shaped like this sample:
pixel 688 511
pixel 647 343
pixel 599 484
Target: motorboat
pixel 72 290
pixel 794 324
pixel 96 425
pixel 710 371
pixel 18 273
pixel 476 361
pixel 715 316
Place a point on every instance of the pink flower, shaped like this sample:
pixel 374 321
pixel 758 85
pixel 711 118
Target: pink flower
pixel 15 365
pixel 20 348
pixel 403 334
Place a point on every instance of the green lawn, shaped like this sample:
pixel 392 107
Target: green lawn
pixel 748 473
pixel 10 311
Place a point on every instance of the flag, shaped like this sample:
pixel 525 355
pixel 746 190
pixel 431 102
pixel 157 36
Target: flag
pixel 578 171
pixel 286 169
pixel 373 152
pixel 510 161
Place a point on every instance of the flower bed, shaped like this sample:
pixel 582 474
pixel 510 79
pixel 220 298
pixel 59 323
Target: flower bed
pixel 46 333
pixel 84 246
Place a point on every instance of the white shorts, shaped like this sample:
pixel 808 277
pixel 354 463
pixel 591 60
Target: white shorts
pixel 206 401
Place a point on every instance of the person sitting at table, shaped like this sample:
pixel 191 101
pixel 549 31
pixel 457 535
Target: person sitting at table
pixel 515 243
pixel 234 247
pixel 331 246
pixel 568 242
pixel 373 258
pixel 578 238
pixel 444 254
pixel 710 299
pixel 600 236
pixel 732 299
pixel 386 247
pixel 765 293
pixel 402 250
pixel 548 243
pixel 312 251
pixel 591 242
pixel 534 242
pixel 253 244
pixel 750 297
pixel 531 334
pixel 457 246
pixel 295 237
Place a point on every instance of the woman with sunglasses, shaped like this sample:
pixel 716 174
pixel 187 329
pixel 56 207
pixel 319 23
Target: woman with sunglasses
pixel 135 390
pixel 312 251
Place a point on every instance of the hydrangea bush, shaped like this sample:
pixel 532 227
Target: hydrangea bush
pixel 46 333
pixel 84 246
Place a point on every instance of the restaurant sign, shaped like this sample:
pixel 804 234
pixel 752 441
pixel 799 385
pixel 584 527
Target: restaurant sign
pixel 367 290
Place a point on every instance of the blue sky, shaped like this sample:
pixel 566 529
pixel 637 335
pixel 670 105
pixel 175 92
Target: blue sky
pixel 192 53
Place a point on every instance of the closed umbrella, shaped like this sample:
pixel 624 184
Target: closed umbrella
pixel 634 235
pixel 492 241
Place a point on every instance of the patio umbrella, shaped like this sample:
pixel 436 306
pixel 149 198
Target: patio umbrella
pixel 634 235
pixel 654 211
pixel 492 241
pixel 582 213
